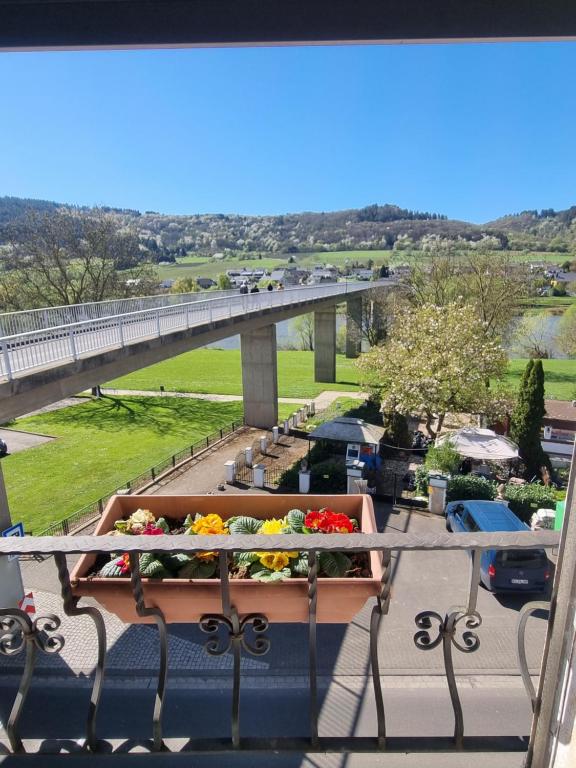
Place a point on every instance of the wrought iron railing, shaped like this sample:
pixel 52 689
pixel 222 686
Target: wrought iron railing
pixel 73 341
pixel 458 629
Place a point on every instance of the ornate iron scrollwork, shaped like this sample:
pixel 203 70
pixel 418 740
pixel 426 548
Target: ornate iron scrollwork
pixel 18 628
pixel 447 629
pixel 210 623
pixel 20 632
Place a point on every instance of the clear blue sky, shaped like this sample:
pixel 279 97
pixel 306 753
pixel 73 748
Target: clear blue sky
pixel 472 131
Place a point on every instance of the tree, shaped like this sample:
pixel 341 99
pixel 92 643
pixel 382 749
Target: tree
pixel 526 419
pixel 304 327
pixel 69 257
pixel 185 285
pixel 531 337
pixel 436 359
pixel 566 337
pixel 489 281
pixel 224 282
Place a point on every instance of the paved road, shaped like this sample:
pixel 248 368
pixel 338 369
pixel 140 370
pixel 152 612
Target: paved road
pixel 21 441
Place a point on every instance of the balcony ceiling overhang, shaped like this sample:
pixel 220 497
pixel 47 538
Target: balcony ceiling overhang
pixel 72 24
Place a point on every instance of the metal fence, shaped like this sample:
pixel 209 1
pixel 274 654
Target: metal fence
pixel 456 630
pixel 93 510
pixel 70 342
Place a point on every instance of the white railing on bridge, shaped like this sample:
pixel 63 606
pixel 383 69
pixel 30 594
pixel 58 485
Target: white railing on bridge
pixel 12 323
pixel 49 346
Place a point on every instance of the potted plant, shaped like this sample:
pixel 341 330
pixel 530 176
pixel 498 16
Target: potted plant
pixel 186 587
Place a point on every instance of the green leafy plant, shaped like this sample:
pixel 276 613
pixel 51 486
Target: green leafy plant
pixel 443 458
pixel 462 487
pixel 524 500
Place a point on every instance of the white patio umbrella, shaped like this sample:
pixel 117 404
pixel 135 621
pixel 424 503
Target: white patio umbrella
pixel 476 443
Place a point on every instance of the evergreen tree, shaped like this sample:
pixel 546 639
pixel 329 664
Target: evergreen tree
pixel 527 419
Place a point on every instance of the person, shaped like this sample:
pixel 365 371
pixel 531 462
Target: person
pixel 270 287
pixel 280 287
pixel 3 448
pixel 244 288
pixel 254 289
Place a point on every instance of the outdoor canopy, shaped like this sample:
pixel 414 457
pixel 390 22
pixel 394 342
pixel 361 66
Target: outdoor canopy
pixel 348 430
pixel 475 443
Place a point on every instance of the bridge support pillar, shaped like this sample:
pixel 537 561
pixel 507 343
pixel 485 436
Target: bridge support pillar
pixel 260 377
pixel 11 587
pixel 353 326
pixel 325 344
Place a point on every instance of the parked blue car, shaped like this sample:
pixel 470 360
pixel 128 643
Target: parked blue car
pixel 513 570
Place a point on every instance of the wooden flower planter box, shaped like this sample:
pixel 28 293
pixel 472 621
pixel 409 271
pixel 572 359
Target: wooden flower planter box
pixel 185 600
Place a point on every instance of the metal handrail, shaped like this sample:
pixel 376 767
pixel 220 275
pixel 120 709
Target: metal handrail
pixel 455 630
pixel 33 349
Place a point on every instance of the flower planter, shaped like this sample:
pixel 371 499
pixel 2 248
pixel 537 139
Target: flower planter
pixel 185 600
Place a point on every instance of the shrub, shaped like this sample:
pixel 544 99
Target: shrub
pixel 421 480
pixel 443 458
pixel 526 499
pixel 329 477
pixel 462 487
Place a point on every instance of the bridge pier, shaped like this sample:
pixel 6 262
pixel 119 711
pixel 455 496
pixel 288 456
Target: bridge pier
pixel 353 326
pixel 260 377
pixel 325 344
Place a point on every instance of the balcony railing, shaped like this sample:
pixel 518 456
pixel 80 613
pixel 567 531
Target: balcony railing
pixel 71 341
pixel 457 630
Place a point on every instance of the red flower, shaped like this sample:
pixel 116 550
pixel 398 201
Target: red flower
pixel 312 520
pixel 326 521
pixel 152 530
pixel 124 563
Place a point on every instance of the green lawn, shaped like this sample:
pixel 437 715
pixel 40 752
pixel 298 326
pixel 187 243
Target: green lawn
pixel 196 266
pixel 560 377
pixel 100 445
pixel 549 302
pixel 218 371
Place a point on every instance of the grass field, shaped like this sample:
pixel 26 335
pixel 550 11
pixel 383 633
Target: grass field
pixel 195 266
pixel 560 377
pixel 100 445
pixel 550 302
pixel 218 371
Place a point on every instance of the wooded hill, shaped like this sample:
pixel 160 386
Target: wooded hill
pixel 372 227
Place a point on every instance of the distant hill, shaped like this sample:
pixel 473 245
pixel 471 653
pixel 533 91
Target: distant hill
pixel 374 227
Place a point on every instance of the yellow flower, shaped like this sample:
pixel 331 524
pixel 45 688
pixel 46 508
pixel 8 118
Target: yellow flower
pixel 272 526
pixel 210 525
pixel 275 561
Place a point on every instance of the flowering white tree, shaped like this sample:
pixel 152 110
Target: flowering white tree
pixel 436 360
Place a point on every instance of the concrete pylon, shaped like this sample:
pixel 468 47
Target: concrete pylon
pixel 353 326
pixel 11 588
pixel 325 344
pixel 260 377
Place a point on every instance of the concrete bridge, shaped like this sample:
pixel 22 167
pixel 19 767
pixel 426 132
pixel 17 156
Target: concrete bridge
pixel 48 363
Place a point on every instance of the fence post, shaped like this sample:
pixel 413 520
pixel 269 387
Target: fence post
pixel 259 474
pixel 286 426
pixel 153 473
pixel 173 459
pixel 158 322
pixel 221 434
pixel 275 434
pixel 100 506
pixel 248 454
pixel 121 331
pixel 7 361
pixel 263 444
pixel 230 469
pixel 207 441
pixel 72 344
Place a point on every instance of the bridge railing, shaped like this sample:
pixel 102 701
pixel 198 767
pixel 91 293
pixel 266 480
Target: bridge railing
pixel 45 347
pixel 13 323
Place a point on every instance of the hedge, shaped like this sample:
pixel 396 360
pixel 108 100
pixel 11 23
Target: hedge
pixel 526 499
pixel 462 487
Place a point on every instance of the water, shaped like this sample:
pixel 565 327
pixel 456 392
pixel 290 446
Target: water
pixel 286 335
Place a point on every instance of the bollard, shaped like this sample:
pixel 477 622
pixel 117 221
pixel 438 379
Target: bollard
pixel 249 457
pixel 286 426
pixel 275 435
pixel 230 470
pixel 259 475
pixel 312 408
pixel 263 444
pixel 304 482
pixel 294 420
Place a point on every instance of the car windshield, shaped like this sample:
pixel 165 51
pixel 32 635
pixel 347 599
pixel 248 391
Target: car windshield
pixel 522 558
